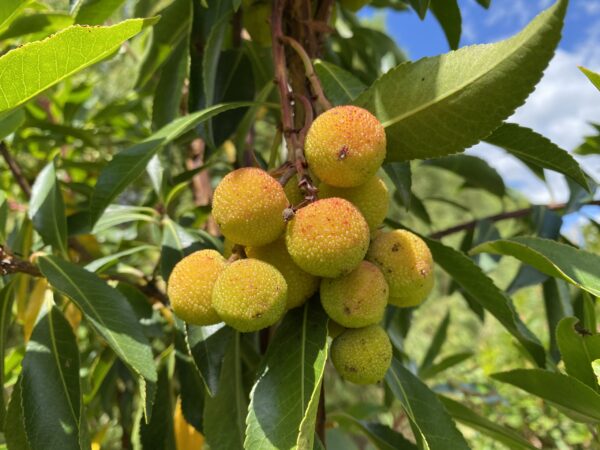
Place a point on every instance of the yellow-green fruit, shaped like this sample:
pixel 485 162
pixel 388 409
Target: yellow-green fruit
pixel 362 355
pixel 293 192
pixel 248 206
pixel 345 146
pixel 371 199
pixel 407 265
pixel 357 299
pixel 191 285
pixel 354 5
pixel 250 295
pixel 256 22
pixel 328 238
pixel 301 285
pixel 334 329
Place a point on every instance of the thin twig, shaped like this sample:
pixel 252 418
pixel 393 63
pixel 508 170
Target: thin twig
pixel 15 170
pixel 9 264
pixel 309 71
pixel 498 217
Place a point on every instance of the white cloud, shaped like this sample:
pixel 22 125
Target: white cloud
pixel 560 109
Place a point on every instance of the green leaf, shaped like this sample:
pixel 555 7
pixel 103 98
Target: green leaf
pixel 36 26
pixel 47 210
pixel 474 170
pixel 581 402
pixel 535 149
pixel 96 12
pixel 448 15
pixel 30 69
pixel 10 122
pixel 208 346
pixel 382 436
pixel 116 215
pixel 169 89
pixel 340 86
pixel 557 303
pixel 596 368
pixel 431 421
pixel 101 264
pixel 579 349
pixel 50 382
pixel 591 144
pixel 284 400
pixel 6 302
pixel 442 105
pixel 401 176
pixel 15 434
pixel 158 434
pixel 420 6
pixel 127 165
pixel 558 260
pixel 444 364
pixel 174 25
pixel 224 413
pixel 436 343
pixel 484 3
pixel 592 76
pixel 107 310
pixel 481 288
pixel 10 10
pixel 473 420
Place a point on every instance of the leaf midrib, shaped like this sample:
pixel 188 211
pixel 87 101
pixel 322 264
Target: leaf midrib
pixel 97 316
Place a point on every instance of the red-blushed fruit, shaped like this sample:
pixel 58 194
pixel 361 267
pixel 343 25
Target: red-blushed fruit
pixel 407 265
pixel 345 146
pixel 371 199
pixel 357 299
pixel 250 295
pixel 248 205
pixel 328 238
pixel 362 355
pixel 191 284
pixel 301 285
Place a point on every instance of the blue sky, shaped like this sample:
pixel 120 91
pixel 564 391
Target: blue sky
pixel 563 103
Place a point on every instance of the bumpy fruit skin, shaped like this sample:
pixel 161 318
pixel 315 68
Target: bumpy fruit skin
pixel 248 205
pixel 191 286
pixel 255 21
pixel 357 299
pixel 371 199
pixel 407 265
pixel 250 295
pixel 328 238
pixel 301 285
pixel 362 355
pixel 345 146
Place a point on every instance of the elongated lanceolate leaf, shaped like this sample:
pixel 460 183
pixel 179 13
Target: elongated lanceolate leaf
pixel 32 68
pixel 442 105
pixel 284 400
pixel 558 260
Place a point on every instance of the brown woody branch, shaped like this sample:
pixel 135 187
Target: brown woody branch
pixel 9 264
pixel 15 169
pixel 467 226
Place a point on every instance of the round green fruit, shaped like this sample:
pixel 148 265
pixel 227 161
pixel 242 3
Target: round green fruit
pixel 301 285
pixel 191 284
pixel 362 355
pixel 357 299
pixel 250 295
pixel 407 265
pixel 248 205
pixel 328 238
pixel 345 146
pixel 371 199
